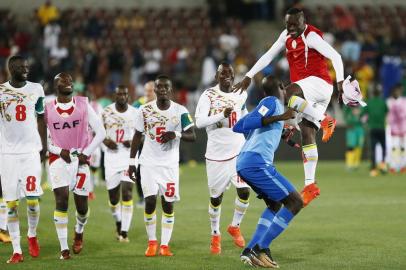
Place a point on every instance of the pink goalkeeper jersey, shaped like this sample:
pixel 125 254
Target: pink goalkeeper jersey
pixel 397 116
pixel 69 131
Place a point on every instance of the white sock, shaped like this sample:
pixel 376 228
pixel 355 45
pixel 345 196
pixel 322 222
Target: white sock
pixel 301 105
pixel 81 221
pixel 3 215
pixel 33 212
pixel 310 157
pixel 61 225
pixel 167 227
pixel 13 226
pixel 126 215
pixel 239 211
pixel 150 225
pixel 214 213
pixel 116 211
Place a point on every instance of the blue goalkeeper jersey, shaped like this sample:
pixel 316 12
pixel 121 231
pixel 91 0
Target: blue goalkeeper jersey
pixel 261 141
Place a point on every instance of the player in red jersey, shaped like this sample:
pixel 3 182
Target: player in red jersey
pixel 311 86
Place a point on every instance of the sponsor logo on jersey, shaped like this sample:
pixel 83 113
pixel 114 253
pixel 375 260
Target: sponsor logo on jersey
pixel 64 125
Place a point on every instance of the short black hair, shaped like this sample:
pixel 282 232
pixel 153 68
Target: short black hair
pixel 14 59
pixel 271 84
pixel 163 77
pixel 294 11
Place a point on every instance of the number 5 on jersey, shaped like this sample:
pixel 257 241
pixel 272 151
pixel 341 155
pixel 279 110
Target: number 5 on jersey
pixel 158 132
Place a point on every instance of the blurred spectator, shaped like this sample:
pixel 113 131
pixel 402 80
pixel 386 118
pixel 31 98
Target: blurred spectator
pixel 137 66
pixel 351 48
pixel 364 73
pixel 59 54
pixel 228 44
pixel 390 73
pixel 209 69
pixel 354 137
pixel 47 13
pixel 152 66
pixel 116 66
pixel 376 111
pixel 51 35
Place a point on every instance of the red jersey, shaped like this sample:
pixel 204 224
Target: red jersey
pixel 305 61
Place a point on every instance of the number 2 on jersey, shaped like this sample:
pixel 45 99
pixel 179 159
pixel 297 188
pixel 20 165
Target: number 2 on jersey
pixel 119 135
pixel 232 119
pixel 21 112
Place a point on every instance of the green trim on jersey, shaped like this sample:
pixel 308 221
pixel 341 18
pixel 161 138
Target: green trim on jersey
pixel 40 105
pixel 186 121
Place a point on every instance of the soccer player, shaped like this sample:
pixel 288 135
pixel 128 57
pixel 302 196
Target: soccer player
pixel 23 146
pixel 70 145
pixel 354 137
pixel 119 121
pixel 397 123
pixel 263 129
pixel 149 95
pixel 218 110
pixel 311 86
pixel 164 123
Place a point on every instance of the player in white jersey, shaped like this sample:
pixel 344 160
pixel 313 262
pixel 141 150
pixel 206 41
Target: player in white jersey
pixel 23 145
pixel 119 121
pixel 164 123
pixel 218 110
pixel 4 235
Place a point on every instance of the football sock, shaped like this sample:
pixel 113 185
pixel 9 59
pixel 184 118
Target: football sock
pixel 13 226
pixel 357 156
pixel 3 215
pixel 33 211
pixel 301 105
pixel 167 227
pixel 126 214
pixel 116 211
pixel 310 157
pixel 279 223
pixel 239 211
pixel 81 221
pixel 214 213
pixel 61 225
pixel 264 223
pixel 150 225
pixel 349 159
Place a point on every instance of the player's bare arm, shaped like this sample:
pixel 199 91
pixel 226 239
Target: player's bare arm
pixel 288 114
pixel 42 130
pixel 83 159
pixel 127 144
pixel 132 170
pixel 110 144
pixel 187 135
pixel 65 155
pixel 227 112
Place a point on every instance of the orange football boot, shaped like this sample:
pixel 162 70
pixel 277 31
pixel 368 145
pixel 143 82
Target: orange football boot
pixel 165 251
pixel 309 193
pixel 328 126
pixel 152 248
pixel 33 246
pixel 15 258
pixel 215 244
pixel 235 233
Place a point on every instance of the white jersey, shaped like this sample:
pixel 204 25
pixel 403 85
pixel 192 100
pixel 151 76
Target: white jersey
pixel 153 122
pixel 18 122
pixel 222 143
pixel 120 127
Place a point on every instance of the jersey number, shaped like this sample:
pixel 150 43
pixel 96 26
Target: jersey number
pixel 20 112
pixel 119 135
pixel 30 185
pixel 81 180
pixel 170 189
pixel 159 131
pixel 232 119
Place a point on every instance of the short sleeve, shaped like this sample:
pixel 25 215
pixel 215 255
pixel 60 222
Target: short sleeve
pixel 186 119
pixel 40 104
pixel 139 120
pixel 266 107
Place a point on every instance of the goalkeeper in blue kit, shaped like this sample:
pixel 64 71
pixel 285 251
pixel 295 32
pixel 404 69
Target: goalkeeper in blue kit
pixel 263 129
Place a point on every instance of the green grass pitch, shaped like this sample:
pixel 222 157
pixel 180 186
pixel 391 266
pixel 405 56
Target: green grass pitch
pixel 358 223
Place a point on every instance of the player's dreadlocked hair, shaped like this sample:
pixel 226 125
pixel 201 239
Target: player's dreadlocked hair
pixel 294 11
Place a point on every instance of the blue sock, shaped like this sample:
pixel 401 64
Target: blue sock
pixel 263 224
pixel 279 224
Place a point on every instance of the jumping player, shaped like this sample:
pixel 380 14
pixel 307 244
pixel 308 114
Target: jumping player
pixel 311 86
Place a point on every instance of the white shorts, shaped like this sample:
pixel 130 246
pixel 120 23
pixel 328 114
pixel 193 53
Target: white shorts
pixel 114 179
pixel 160 181
pixel 317 93
pixel 77 178
pixel 21 175
pixel 220 175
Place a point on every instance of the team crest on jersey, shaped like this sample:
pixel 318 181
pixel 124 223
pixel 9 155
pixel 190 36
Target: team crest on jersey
pixel 294 44
pixel 152 119
pixel 218 102
pixel 112 120
pixel 175 120
pixel 9 96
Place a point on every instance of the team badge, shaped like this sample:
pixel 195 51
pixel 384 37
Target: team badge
pixel 175 120
pixel 294 44
pixel 263 110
